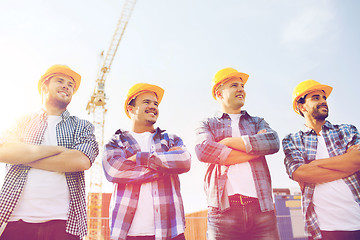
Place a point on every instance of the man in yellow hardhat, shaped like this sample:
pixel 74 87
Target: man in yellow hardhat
pixel 144 164
pixel 237 181
pixel 324 159
pixel 43 196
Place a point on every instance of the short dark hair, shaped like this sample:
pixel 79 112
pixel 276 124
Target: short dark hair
pixel 301 101
pixel 132 102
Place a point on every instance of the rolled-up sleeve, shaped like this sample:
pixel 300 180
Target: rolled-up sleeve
pixel 264 143
pixel 293 156
pixel 207 149
pixel 86 142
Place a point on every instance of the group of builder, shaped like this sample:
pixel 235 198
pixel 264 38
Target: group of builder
pixel 47 152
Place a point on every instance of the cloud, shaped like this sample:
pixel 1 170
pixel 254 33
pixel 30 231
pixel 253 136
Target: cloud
pixel 312 23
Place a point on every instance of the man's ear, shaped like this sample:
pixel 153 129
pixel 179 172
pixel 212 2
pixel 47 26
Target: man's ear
pixel 301 107
pixel 218 94
pixel 129 108
pixel 44 88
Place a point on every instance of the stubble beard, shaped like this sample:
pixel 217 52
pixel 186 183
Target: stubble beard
pixel 318 115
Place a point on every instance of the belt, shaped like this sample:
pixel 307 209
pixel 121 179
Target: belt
pixel 241 200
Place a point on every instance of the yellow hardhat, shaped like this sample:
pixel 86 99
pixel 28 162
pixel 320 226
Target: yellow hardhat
pixel 223 75
pixel 306 87
pixel 139 88
pixel 60 69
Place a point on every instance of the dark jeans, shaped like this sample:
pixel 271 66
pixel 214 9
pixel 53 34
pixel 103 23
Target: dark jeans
pixel 339 235
pixel 52 230
pixel 242 222
pixel 178 237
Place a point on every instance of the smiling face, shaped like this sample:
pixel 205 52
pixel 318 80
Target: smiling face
pixel 231 95
pixel 315 106
pixel 145 109
pixel 58 91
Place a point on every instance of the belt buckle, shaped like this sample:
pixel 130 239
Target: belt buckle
pixel 241 201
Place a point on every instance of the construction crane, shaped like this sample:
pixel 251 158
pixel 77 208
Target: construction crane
pixel 97 108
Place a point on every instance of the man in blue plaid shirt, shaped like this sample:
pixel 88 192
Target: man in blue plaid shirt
pixel 43 195
pixel 237 181
pixel 325 160
pixel 144 165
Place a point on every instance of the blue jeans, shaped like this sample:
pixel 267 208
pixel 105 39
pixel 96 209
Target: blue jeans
pixel 339 235
pixel 52 230
pixel 242 222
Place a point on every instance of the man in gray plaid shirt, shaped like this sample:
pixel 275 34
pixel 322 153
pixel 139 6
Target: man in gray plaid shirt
pixel 43 195
pixel 237 180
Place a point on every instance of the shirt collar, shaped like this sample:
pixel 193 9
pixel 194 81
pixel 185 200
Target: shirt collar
pixel 307 130
pixel 64 116
pixel 221 115
pixel 158 131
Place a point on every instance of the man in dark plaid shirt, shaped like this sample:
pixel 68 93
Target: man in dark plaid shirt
pixel 325 160
pixel 237 181
pixel 43 195
pixel 144 165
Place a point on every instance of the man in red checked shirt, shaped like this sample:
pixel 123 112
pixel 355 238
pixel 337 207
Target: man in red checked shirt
pixel 144 165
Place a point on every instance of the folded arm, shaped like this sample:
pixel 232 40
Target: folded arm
pixel 228 151
pixel 348 162
pixel 24 153
pixel 176 160
pixel 122 169
pixel 79 157
pixel 317 171
pixel 68 161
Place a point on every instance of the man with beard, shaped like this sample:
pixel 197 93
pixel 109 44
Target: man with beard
pixel 237 180
pixel 144 165
pixel 325 160
pixel 43 196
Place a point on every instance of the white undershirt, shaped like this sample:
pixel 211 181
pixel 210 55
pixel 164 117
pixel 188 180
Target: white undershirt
pixel 240 179
pixel 335 205
pixel 143 223
pixel 46 194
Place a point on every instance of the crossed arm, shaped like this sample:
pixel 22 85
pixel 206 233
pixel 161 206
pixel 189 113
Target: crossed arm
pixel 51 158
pixel 329 169
pixel 238 152
pixel 232 150
pixel 143 167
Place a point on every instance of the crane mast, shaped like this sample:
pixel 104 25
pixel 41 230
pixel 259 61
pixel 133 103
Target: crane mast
pixel 97 108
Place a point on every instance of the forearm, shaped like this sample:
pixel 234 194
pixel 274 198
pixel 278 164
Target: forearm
pixel 24 153
pixel 172 162
pixel 310 173
pixel 236 143
pixel 122 170
pixel 348 162
pixel 236 157
pixel 68 161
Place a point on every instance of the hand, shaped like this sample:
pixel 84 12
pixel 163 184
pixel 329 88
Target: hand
pixel 354 148
pixel 261 131
pixel 132 158
pixel 175 149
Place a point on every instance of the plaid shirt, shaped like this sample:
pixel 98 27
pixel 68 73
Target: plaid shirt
pixel 208 150
pixel 72 133
pixel 300 148
pixel 160 167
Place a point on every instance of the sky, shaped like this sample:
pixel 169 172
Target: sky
pixel 180 45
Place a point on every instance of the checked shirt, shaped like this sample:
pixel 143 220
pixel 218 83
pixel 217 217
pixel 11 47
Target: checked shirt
pixel 159 167
pixel 208 150
pixel 300 148
pixel 72 133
